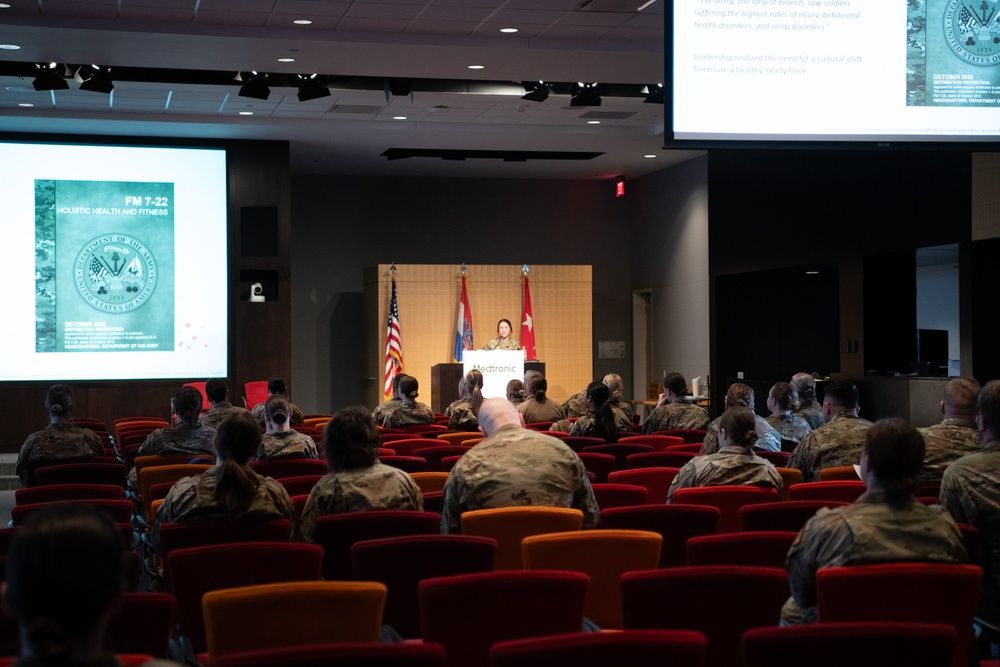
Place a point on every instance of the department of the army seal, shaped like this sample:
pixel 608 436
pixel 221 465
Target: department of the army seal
pixel 972 30
pixel 115 273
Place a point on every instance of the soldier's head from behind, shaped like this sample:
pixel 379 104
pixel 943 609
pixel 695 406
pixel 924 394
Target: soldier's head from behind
pixel 674 386
pixel 840 397
pixel 740 394
pixel 805 386
pixel 216 390
pixel 187 405
pixel 59 401
pixel 737 428
pixel 351 440
pixel 988 411
pixel 892 457
pixel 65 578
pixel 497 412
pixel 395 383
pixel 960 396
pixel 276 385
pixel 781 398
pixel 614 383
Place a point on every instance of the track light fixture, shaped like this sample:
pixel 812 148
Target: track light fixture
pixel 48 77
pixel 585 95
pixel 538 91
pixel 254 85
pixel 654 94
pixel 312 87
pixel 95 79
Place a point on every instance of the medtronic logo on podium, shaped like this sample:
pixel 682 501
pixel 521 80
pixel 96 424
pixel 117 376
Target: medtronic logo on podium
pixel 115 273
pixel 972 30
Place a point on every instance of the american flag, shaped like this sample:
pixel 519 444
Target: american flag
pixel 393 346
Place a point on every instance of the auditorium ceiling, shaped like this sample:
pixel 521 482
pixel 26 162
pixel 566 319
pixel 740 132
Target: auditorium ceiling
pixel 179 61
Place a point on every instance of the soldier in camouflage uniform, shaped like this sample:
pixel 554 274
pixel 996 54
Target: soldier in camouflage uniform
pixel 576 406
pixel 741 394
pixel 503 341
pixel 410 410
pixel 515 392
pixel 230 489
pixel 59 440
pixel 808 407
pixel 515 466
pixel 281 441
pixel 190 436
pixel 537 407
pixel 602 419
pixel 780 401
pixel 357 482
pixel 957 434
pixel 218 396
pixel 463 415
pixel 970 491
pixel 734 463
pixel 886 524
pixel 837 443
pixel 383 409
pixel 277 386
pixel 673 410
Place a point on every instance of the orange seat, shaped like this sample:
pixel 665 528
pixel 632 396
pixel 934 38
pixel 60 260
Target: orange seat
pixel 604 555
pixel 510 525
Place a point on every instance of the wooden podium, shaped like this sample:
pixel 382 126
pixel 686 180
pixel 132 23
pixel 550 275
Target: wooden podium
pixel 445 378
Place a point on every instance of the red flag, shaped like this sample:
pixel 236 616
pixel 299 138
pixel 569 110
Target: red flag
pixel 527 326
pixel 393 346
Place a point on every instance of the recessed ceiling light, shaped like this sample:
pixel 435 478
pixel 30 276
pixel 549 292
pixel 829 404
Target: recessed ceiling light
pixel 399 117
pixel 246 113
pixel 508 30
pixel 649 156
pixel 593 122
pixel 812 273
pixel 4 5
pixel 477 66
pixel 25 104
pixel 10 47
pixel 302 22
pixel 286 60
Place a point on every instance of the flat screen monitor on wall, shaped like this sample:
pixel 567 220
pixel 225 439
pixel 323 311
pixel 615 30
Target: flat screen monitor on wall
pixel 848 73
pixel 114 263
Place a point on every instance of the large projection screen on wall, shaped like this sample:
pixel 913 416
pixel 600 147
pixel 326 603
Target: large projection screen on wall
pixel 115 262
pixel 922 73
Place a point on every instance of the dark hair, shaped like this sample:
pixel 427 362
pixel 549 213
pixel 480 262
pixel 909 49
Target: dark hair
pixel 59 400
pixel 237 441
pixel 187 404
pixel 784 395
pixel 961 394
pixel 515 388
pixel 842 394
pixel 988 405
pixel 604 416
pixel 216 390
pixel 408 387
pixel 805 385
pixel 740 425
pixel 740 394
pixel 396 379
pixel 676 383
pixel 351 440
pixel 276 385
pixel 276 408
pixel 895 451
pixel 537 386
pixel 474 389
pixel 65 568
pixel 509 325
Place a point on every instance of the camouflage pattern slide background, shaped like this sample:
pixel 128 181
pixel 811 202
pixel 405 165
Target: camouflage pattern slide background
pixel 104 266
pixel 953 53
